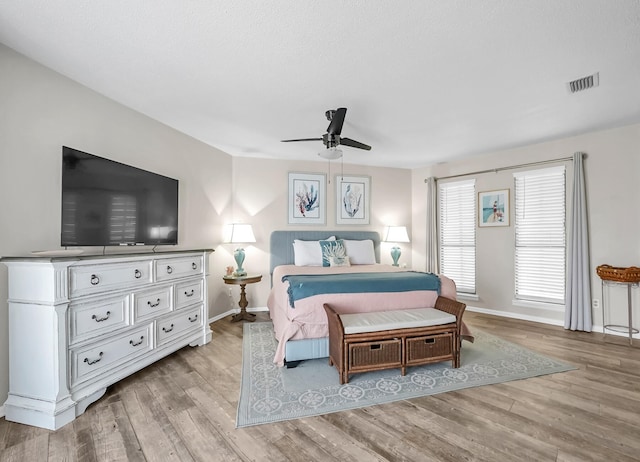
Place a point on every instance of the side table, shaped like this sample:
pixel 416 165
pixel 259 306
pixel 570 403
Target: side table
pixel 615 327
pixel 242 281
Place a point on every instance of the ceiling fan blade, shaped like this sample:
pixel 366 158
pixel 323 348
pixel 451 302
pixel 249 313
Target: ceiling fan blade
pixel 335 127
pixel 354 144
pixel 303 139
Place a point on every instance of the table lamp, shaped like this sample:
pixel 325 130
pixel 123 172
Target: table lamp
pixel 240 233
pixel 396 234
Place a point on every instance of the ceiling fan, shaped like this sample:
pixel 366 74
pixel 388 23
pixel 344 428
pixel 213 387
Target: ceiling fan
pixel 332 138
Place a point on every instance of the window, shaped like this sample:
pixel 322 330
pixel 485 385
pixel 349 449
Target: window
pixel 540 235
pixel 457 230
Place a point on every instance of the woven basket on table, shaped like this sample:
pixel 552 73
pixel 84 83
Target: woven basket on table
pixel 611 273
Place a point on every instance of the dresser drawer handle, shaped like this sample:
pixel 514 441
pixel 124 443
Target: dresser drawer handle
pixel 194 319
pixel 97 319
pixel 194 266
pixel 166 331
pixel 95 280
pixel 135 344
pixel 91 363
pixel 137 274
pixel 153 305
pixel 169 269
pixel 189 294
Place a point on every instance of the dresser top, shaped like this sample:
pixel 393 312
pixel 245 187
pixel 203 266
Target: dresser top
pixel 79 255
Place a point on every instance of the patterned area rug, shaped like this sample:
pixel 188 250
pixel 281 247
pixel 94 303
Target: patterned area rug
pixel 272 394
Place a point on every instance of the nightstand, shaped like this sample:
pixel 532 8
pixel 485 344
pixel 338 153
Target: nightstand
pixel 242 281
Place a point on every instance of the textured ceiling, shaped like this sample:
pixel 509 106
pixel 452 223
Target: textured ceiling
pixel 424 81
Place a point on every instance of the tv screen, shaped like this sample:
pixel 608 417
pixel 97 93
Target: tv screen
pixel 108 203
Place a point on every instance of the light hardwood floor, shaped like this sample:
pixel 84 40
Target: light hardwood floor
pixel 184 407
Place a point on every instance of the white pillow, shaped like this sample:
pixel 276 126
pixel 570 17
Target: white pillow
pixel 360 252
pixel 308 253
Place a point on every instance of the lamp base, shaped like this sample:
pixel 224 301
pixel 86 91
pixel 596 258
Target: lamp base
pixel 238 255
pixel 395 255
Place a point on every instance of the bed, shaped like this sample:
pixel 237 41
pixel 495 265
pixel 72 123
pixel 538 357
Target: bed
pixel 300 325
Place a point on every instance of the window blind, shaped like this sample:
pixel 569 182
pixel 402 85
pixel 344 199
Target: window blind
pixel 540 260
pixel 457 233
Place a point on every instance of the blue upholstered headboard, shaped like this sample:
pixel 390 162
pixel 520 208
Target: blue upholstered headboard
pixel 282 243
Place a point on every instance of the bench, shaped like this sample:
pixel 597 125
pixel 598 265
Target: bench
pixel 363 342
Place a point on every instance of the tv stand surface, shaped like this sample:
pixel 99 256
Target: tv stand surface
pixel 78 324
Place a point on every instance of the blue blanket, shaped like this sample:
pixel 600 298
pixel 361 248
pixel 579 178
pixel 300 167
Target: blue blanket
pixel 307 285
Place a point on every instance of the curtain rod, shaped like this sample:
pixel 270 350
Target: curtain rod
pixel 496 170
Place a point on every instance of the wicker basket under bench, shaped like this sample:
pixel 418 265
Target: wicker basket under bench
pixel 365 342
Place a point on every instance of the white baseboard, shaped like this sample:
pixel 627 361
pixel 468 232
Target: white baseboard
pixel 524 317
pixel 2 411
pixel 235 311
pixel 595 329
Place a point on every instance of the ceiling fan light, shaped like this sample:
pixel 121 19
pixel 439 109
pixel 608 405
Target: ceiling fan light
pixel 332 153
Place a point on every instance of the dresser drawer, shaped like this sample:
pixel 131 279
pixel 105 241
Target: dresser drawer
pixel 188 293
pixel 88 320
pixel 168 269
pixel 152 303
pixel 180 324
pixel 92 279
pixel 90 361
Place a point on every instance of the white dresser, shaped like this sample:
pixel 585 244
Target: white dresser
pixel 79 324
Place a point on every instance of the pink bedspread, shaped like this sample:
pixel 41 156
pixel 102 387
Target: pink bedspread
pixel 309 320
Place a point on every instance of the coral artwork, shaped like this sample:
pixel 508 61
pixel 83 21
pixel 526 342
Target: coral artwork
pixel 352 199
pixel 306 199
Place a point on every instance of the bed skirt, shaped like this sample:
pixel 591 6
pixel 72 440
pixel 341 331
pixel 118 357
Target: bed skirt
pixel 308 348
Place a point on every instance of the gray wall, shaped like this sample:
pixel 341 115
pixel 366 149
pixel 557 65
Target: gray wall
pixel 612 175
pixel 40 111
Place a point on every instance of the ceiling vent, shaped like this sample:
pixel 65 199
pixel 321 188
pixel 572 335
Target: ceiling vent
pixel 584 83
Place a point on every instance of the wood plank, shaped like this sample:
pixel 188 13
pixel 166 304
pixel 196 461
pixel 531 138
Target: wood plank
pixel 184 408
pixel 32 450
pixel 151 428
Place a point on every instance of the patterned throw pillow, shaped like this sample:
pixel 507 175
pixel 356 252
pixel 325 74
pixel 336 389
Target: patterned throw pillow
pixel 332 249
pixel 339 261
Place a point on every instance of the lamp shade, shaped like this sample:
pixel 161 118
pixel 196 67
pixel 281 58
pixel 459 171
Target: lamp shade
pixel 396 234
pixel 239 233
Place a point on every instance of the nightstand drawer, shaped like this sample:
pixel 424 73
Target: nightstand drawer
pixel 88 320
pixel 93 279
pixel 175 268
pixel 176 326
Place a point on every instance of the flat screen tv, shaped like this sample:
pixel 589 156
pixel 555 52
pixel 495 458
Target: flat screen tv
pixel 107 203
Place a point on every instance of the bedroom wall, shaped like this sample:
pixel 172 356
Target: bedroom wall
pixel 40 111
pixel 612 171
pixel 260 189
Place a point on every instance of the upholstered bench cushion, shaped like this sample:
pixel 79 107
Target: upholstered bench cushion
pixel 358 323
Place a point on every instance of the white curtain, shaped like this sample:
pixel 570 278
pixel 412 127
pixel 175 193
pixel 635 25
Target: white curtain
pixel 432 226
pixel 578 288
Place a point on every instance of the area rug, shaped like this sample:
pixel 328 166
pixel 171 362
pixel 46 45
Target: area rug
pixel 271 394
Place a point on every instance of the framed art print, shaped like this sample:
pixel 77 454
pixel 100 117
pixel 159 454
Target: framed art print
pixel 493 208
pixel 307 198
pixel 353 198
